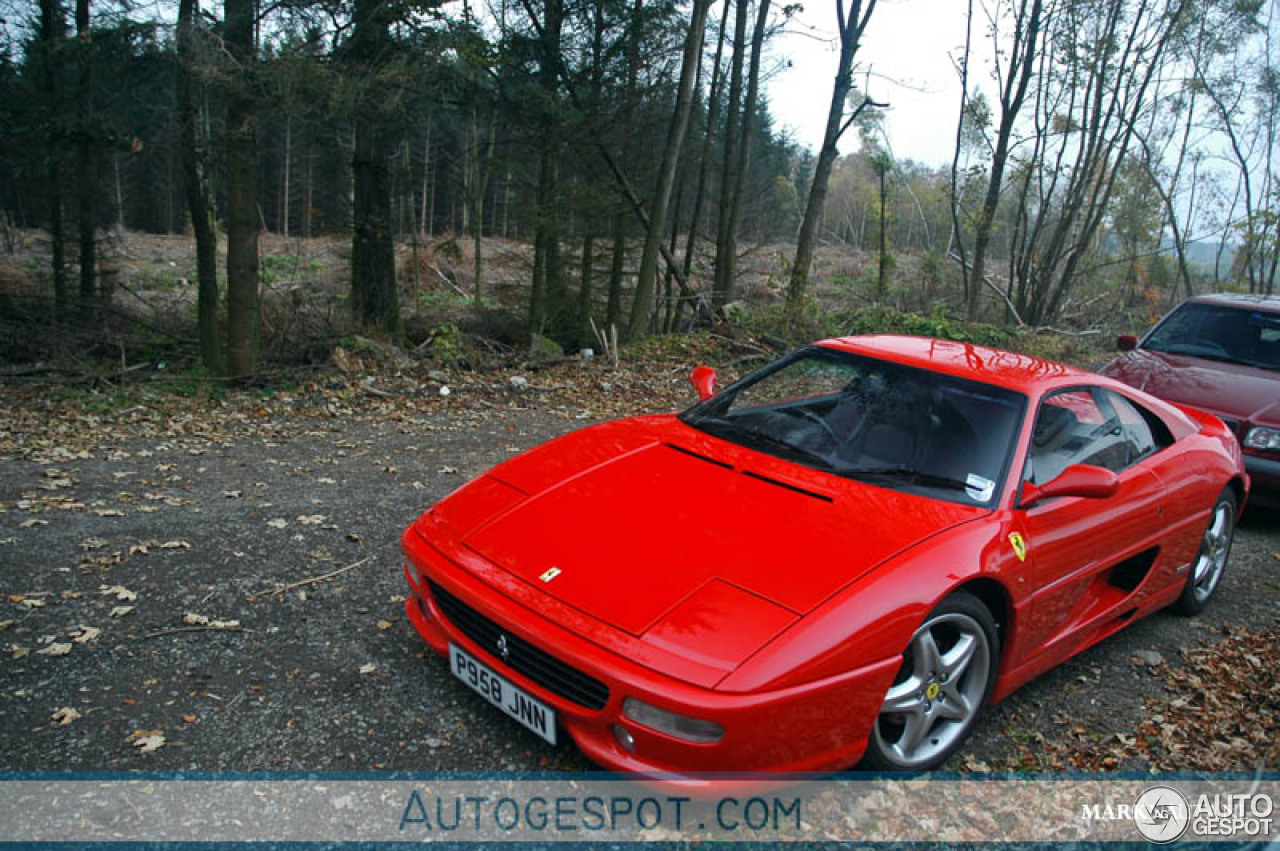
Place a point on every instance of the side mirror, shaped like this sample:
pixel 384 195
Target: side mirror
pixel 1126 342
pixel 703 379
pixel 1077 480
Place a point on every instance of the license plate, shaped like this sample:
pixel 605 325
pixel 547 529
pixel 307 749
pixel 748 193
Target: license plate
pixel 504 694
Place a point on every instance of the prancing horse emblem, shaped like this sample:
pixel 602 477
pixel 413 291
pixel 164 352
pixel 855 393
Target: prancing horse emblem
pixel 504 649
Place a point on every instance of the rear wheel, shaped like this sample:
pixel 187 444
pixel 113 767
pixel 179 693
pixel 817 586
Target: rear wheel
pixel 1215 548
pixel 947 674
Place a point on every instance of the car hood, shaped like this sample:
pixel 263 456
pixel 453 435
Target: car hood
pixel 699 546
pixel 1234 391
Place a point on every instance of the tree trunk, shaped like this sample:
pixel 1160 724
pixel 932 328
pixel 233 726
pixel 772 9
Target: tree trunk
pixel 704 160
pixel 722 289
pixel 52 32
pixel 727 250
pixel 197 198
pixel 642 305
pixel 243 318
pixel 851 29
pixel 546 238
pixel 374 294
pixel 86 180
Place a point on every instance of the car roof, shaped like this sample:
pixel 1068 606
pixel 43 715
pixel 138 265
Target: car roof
pixel 1253 302
pixel 1024 373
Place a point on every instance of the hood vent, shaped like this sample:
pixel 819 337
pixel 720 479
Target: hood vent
pixel 788 486
pixel 698 455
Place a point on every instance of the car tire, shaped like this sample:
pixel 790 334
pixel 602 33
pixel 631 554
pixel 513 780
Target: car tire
pixel 1211 561
pixel 947 674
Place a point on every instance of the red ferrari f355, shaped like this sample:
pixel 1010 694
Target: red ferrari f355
pixel 843 556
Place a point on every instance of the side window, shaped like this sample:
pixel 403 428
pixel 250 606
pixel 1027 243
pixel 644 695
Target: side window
pixel 1076 427
pixel 1135 426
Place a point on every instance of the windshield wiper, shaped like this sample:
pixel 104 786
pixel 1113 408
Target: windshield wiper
pixel 904 471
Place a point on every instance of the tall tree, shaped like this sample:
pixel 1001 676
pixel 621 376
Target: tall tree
pixel 546 245
pixel 374 294
pixel 191 150
pixel 243 320
pixel 86 180
pixel 851 27
pixel 53 27
pixel 642 305
pixel 731 213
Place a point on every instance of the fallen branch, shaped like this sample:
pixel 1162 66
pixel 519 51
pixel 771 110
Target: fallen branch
pixel 994 289
pixel 313 580
pixel 209 628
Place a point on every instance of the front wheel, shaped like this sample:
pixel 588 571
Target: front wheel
pixel 947 674
pixel 1215 548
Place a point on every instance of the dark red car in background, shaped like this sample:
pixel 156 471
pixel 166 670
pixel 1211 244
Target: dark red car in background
pixel 1219 353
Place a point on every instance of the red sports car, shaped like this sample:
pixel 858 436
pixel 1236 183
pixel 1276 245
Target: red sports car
pixel 842 556
pixel 1219 353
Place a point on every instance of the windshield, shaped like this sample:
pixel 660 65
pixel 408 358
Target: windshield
pixel 1217 332
pixel 874 421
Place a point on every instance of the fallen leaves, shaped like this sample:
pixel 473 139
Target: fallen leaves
pixel 278 523
pixel 368 668
pixel 57 648
pixel 119 591
pixel 147 741
pixel 65 715
pixel 120 611
pixel 193 619
pixel 85 634
pixel 311 519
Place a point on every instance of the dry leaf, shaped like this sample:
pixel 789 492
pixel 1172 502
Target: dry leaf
pixel 19 651
pixel 108 512
pixel 147 740
pixel 31 603
pixel 385 624
pixel 311 519
pixel 85 634
pixel 92 544
pixel 120 611
pixel 190 719
pixel 64 715
pixel 175 545
pixel 5 625
pixel 448 470
pixel 58 648
pixel 194 619
pixel 27 524
pixel 278 523
pixel 120 592
pixel 368 668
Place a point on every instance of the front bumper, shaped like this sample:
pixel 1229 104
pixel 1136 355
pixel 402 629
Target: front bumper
pixel 1264 475
pixel 818 726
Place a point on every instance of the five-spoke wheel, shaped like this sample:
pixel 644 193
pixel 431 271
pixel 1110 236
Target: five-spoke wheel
pixel 946 676
pixel 1206 571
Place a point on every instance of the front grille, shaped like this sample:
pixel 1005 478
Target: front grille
pixel 538 665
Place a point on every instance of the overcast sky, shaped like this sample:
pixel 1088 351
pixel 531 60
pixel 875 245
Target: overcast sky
pixel 908 47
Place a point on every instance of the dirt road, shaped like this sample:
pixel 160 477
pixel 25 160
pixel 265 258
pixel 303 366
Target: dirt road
pixel 138 554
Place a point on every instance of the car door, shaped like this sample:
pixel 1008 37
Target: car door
pixel 1086 554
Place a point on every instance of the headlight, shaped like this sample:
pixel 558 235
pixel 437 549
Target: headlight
pixel 680 726
pixel 1262 438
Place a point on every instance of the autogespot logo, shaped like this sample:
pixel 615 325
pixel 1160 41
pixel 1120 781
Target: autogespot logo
pixel 1161 814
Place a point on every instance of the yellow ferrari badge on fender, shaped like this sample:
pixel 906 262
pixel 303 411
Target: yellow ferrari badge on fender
pixel 550 574
pixel 1019 546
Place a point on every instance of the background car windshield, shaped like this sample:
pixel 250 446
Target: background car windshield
pixel 1218 332
pixel 872 420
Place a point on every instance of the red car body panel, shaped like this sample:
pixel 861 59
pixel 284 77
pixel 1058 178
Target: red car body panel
pixel 722 583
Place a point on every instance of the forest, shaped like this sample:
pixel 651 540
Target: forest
pixel 571 173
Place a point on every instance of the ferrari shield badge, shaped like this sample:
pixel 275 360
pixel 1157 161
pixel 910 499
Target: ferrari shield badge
pixel 1019 546
pixel 550 574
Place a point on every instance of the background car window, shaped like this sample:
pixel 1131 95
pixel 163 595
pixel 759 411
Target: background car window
pixel 1076 427
pixel 1219 332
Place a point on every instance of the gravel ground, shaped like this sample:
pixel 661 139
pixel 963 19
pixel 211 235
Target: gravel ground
pixel 141 539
